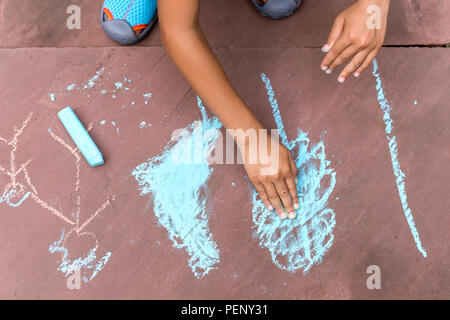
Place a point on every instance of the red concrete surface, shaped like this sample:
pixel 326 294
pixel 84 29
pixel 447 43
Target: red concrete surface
pixel 371 227
pixel 31 23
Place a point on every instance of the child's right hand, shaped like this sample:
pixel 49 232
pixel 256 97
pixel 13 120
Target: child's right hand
pixel 278 189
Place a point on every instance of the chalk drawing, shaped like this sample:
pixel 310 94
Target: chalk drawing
pixel 91 81
pixel 179 193
pixel 302 242
pixel 144 124
pixel 88 262
pixel 118 85
pixel 15 193
pixel 68 266
pixel 102 82
pixel 393 148
pixel 181 208
pixel 147 97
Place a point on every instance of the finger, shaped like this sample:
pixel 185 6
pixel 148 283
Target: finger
pixel 354 64
pixel 263 195
pixel 292 187
pixel 275 200
pixel 335 33
pixel 366 63
pixel 285 196
pixel 335 51
pixel 294 171
pixel 344 56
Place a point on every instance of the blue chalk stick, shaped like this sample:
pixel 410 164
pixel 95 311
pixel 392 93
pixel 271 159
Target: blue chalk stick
pixel 81 137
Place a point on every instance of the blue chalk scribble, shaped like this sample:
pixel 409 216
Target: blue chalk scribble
pixel 14 197
pixel 399 175
pixel 179 192
pixel 84 264
pixel 302 242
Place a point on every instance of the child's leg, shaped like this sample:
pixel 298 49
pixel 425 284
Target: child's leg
pixel 276 9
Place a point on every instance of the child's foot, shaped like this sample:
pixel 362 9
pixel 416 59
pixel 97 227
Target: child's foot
pixel 276 9
pixel 137 31
pixel 128 21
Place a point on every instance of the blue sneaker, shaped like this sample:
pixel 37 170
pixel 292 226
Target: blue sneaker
pixel 128 21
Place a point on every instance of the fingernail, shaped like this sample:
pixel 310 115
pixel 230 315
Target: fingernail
pixel 283 215
pixel 296 206
pixel 325 48
pixel 292 215
pixel 356 74
pixel 324 68
pixel 329 71
pixel 270 208
pixel 296 180
pixel 341 79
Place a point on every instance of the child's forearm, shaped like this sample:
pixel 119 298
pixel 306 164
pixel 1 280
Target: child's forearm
pixel 190 51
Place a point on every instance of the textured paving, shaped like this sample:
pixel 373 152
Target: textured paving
pixel 133 98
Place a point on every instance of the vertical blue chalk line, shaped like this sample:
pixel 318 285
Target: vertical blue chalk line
pixel 302 242
pixel 275 110
pixel 179 191
pixel 399 175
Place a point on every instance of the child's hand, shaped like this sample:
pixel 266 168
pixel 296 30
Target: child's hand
pixel 351 37
pixel 278 188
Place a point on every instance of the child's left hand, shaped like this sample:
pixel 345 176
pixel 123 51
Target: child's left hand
pixel 351 37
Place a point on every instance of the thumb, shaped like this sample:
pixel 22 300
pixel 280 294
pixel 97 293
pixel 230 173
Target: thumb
pixel 336 31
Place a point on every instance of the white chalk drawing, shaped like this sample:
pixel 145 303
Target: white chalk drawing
pixel 16 192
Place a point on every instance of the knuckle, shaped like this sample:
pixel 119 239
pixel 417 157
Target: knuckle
pixel 285 171
pixel 273 198
pixel 293 190
pixel 363 42
pixel 333 52
pixel 352 36
pixel 284 193
pixel 276 176
pixel 289 177
pixel 349 36
pixel 263 196
pixel 338 61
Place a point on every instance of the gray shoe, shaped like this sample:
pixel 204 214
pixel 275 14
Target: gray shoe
pixel 276 9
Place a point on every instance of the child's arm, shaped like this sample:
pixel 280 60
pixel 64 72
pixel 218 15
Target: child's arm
pixel 351 37
pixel 189 49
